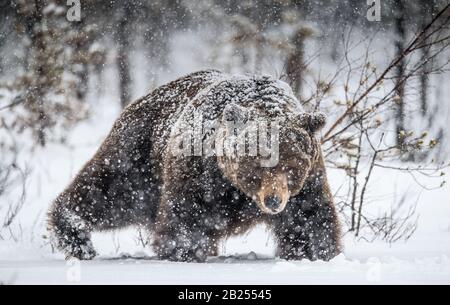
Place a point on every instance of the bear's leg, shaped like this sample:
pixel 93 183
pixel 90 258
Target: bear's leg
pixel 176 240
pixel 309 227
pixel 71 234
pixel 213 247
pixel 184 228
pixel 312 234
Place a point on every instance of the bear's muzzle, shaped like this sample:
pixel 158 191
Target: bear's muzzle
pixel 274 194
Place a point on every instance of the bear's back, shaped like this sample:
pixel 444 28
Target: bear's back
pixel 152 118
pixel 263 95
pixel 148 121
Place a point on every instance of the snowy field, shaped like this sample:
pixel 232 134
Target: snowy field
pixel 361 264
pixel 27 258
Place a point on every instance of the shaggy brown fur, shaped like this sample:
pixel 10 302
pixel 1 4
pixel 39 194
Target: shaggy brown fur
pixel 189 203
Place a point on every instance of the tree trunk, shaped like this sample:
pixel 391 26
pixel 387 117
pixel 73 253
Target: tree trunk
pixel 426 11
pixel 259 46
pixel 81 50
pixel 36 94
pixel 424 84
pixel 123 59
pixel 400 71
pixel 295 65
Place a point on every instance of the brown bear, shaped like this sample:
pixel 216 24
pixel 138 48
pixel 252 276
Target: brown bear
pixel 192 188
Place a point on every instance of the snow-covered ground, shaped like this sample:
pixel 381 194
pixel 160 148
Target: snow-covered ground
pixel 245 260
pixel 422 261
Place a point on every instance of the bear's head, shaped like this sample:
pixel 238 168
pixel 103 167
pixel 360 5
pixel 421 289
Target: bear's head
pixel 293 140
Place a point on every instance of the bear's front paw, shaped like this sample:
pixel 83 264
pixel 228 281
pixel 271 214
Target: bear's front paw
pixel 183 255
pixel 300 253
pixel 292 254
pixel 322 254
pixel 82 252
pixel 168 249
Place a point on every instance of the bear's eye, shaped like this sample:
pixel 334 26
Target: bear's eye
pixel 307 145
pixel 293 164
pixel 287 169
pixel 292 172
pixel 253 179
pixel 291 183
pixel 250 178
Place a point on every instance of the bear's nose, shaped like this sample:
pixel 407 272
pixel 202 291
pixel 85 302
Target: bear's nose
pixel 272 202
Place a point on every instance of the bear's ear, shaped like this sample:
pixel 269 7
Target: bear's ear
pixel 235 113
pixel 313 122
